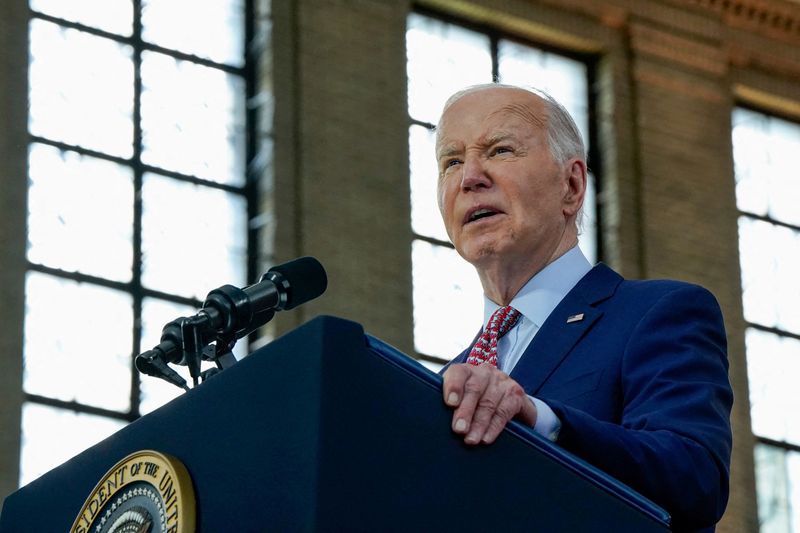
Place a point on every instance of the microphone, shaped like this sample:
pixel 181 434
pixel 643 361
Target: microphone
pixel 231 313
pixel 237 312
pixel 149 363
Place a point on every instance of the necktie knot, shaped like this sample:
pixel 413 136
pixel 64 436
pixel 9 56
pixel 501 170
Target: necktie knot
pixel 500 323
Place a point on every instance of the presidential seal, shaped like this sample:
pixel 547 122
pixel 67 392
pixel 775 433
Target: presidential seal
pixel 147 492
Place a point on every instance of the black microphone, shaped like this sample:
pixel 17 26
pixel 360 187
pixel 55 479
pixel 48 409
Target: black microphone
pixel 283 287
pixel 237 312
pixel 151 364
pixel 230 312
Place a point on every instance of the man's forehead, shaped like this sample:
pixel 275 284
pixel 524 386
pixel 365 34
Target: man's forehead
pixel 488 119
pixel 530 114
pixel 498 100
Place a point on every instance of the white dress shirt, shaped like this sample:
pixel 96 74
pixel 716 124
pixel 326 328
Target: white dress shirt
pixel 535 301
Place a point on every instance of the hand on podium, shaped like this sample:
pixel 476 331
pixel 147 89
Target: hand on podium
pixel 485 399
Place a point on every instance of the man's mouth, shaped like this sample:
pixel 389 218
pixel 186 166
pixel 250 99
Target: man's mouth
pixel 478 214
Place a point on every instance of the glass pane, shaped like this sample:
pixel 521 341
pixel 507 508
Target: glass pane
pixel 194 238
pixel 156 314
pixel 750 158
pixel 425 217
pixel 213 29
pixel 778 489
pixel 77 342
pixel 430 365
pixel 448 300
pixel 793 465
pixel 766 156
pixel 81 89
pixel 442 58
pixel 587 225
pixel 562 78
pixel 773 362
pixel 51 436
pixel 75 203
pixel 193 119
pixel 113 16
pixel 770 260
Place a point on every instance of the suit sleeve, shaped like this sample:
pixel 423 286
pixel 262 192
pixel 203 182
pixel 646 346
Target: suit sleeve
pixel 673 442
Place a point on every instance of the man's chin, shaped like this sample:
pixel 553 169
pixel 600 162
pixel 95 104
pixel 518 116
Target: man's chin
pixel 479 255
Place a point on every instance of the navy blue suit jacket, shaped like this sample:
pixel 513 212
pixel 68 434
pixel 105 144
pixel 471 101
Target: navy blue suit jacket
pixel 641 387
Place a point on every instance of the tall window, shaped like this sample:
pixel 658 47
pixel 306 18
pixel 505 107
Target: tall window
pixel 138 202
pixel 444 57
pixel 767 158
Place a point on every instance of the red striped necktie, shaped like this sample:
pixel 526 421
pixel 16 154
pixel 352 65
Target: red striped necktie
pixel 485 350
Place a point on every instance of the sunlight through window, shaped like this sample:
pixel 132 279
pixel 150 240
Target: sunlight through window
pixel 137 203
pixel 766 154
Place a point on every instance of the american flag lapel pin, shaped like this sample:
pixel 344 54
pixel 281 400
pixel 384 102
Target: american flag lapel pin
pixel 574 318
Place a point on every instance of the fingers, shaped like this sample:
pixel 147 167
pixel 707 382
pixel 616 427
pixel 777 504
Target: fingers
pixel 453 389
pixel 484 399
pixel 481 397
pixel 514 404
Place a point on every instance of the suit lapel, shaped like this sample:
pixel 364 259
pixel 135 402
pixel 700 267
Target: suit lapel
pixel 570 320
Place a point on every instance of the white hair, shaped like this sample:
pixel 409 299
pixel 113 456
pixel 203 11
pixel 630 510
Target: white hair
pixel 563 136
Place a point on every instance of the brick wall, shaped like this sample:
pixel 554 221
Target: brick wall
pixel 341 163
pixel 13 194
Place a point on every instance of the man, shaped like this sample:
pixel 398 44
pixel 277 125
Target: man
pixel 631 376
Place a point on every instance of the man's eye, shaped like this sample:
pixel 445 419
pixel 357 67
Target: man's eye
pixel 451 163
pixel 502 150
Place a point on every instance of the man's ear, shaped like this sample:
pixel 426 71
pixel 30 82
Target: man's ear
pixel 575 186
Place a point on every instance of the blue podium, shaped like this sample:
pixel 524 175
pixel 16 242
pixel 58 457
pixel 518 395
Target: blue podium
pixel 329 429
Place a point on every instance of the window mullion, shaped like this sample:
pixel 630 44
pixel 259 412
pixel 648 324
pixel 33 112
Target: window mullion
pixel 136 282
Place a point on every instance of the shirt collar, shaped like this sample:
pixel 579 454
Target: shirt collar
pixel 543 292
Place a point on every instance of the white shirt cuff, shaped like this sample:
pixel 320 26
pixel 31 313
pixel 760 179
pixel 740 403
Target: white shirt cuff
pixel 547 423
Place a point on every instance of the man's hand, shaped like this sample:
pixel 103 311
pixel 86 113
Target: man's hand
pixel 484 399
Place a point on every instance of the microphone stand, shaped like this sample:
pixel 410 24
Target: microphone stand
pixel 189 335
pixel 228 314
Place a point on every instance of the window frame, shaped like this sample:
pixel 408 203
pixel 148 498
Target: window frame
pixel 788 446
pixel 248 190
pixel 780 445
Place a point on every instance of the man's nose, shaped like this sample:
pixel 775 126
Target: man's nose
pixel 474 175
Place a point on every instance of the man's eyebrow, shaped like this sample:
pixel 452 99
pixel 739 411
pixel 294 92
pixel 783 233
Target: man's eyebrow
pixel 498 137
pixel 447 151
pixel 491 139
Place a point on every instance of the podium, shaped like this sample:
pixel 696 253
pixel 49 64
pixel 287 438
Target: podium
pixel 329 429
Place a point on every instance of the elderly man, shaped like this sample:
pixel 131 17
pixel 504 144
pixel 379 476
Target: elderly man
pixel 631 376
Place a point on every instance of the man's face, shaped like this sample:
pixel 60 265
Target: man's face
pixel 502 195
